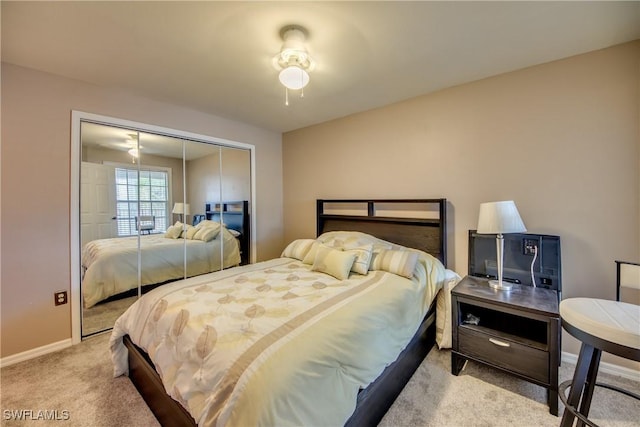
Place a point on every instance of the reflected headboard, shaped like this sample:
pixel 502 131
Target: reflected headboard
pixel 235 215
pixel 414 223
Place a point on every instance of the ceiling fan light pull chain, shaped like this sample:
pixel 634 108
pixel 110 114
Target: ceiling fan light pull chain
pixel 286 96
pixel 301 83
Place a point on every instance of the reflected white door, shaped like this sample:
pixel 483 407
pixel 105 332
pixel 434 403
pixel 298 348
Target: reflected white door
pixel 97 202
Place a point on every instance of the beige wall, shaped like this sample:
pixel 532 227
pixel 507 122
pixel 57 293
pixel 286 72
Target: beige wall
pixel 36 135
pixel 561 139
pixel 203 178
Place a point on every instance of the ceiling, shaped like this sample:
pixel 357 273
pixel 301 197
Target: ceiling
pixel 123 139
pixel 216 57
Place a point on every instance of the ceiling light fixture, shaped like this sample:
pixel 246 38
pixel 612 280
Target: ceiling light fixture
pixel 293 61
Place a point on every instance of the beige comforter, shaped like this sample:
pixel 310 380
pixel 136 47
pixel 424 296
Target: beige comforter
pixel 110 266
pixel 275 343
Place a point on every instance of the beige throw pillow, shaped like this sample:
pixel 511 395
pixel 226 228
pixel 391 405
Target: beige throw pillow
pixel 207 234
pixel 173 231
pixel 310 257
pixel 398 262
pixel 363 258
pixel 298 249
pixel 207 223
pixel 333 262
pixel 191 231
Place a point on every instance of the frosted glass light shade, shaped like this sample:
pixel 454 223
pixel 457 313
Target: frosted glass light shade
pixel 499 218
pixel 294 77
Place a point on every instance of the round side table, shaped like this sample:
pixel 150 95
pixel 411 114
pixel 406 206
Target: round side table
pixel 601 325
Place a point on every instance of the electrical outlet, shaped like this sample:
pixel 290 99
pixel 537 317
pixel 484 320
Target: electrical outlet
pixel 529 245
pixel 60 297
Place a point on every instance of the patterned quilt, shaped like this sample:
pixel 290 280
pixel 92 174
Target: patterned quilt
pixel 275 343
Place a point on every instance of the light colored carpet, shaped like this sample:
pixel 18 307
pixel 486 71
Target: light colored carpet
pixel 103 316
pixel 482 396
pixel 79 380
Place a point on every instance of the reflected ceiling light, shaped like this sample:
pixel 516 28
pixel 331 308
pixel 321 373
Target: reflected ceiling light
pixel 132 141
pixel 293 60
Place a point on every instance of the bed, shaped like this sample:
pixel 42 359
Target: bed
pixel 110 266
pixel 309 342
pixel 235 216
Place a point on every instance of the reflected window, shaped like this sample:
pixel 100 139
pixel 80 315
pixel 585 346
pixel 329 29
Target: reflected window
pixel 150 191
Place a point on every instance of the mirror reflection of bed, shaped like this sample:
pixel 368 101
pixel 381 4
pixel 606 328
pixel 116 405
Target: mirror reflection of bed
pixel 131 239
pixel 110 276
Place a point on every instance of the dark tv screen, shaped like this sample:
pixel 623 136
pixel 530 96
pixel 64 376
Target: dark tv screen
pixel 518 257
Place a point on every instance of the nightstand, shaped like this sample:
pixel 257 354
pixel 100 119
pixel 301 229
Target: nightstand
pixel 515 331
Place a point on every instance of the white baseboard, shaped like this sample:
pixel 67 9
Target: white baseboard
pixel 34 352
pixel 607 368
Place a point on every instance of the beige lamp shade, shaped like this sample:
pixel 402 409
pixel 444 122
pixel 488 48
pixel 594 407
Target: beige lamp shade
pixel 181 208
pixel 500 218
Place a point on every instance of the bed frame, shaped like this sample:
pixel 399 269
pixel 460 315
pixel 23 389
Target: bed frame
pixel 428 234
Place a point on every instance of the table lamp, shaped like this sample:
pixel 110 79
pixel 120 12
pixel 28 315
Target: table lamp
pixel 499 218
pixel 180 209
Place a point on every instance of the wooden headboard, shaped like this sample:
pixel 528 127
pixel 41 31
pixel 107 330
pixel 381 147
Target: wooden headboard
pixel 414 223
pixel 235 215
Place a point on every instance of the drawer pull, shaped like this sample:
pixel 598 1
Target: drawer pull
pixel 499 343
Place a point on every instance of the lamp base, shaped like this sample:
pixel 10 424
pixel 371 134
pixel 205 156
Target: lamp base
pixel 504 286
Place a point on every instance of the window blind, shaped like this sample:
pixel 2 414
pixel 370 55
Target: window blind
pixel 143 194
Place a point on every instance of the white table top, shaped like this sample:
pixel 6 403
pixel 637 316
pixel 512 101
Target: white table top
pixel 612 321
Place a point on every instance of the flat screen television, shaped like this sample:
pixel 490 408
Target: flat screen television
pixel 519 255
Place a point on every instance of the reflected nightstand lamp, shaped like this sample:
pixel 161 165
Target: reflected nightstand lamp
pixel 180 209
pixel 500 218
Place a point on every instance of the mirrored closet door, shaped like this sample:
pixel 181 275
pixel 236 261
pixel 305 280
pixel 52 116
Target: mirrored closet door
pixel 155 208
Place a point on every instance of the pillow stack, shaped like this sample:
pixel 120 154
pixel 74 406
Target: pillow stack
pixel 340 261
pixel 205 230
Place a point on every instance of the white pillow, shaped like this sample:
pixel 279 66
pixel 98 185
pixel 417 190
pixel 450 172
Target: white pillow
pixel 362 261
pixel 298 249
pixel 352 239
pixel 206 234
pixel 400 262
pixel 173 231
pixel 191 231
pixel 310 257
pixel 363 258
pixel 333 262
pixel 207 223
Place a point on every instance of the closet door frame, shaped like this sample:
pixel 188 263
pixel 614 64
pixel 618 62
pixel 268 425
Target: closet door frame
pixel 77 117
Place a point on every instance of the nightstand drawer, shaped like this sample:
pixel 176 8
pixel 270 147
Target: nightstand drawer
pixel 504 353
